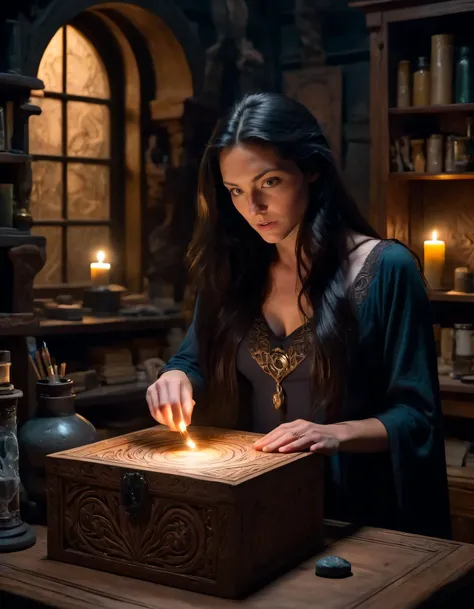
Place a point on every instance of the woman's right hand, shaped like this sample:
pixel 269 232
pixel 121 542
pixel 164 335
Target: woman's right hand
pixel 170 399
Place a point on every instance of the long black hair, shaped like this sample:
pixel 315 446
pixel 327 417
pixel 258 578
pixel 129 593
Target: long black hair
pixel 230 262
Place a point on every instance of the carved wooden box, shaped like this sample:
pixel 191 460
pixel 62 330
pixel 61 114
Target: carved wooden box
pixel 222 519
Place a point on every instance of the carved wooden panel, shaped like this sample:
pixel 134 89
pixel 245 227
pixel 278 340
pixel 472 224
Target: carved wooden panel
pixel 174 536
pixel 416 208
pixel 448 209
pixel 226 456
pixel 320 90
pixel 398 212
pixel 202 519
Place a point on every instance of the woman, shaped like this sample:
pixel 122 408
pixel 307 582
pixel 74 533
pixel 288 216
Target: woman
pixel 308 327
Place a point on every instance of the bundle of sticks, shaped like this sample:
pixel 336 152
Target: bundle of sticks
pixel 44 367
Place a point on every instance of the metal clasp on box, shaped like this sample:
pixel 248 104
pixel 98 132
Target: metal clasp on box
pixel 134 493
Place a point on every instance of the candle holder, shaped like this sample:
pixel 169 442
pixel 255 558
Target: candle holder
pixel 103 300
pixel 14 533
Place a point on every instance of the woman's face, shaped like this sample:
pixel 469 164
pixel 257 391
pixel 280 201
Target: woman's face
pixel 269 192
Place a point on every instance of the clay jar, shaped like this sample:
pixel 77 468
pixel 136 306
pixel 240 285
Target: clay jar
pixel 54 427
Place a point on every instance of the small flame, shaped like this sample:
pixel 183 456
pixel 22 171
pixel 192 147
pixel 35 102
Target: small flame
pixel 434 235
pixel 100 256
pixel 189 443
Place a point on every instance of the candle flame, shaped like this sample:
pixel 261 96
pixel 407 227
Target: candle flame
pixel 434 235
pixel 100 256
pixel 191 444
pixel 182 427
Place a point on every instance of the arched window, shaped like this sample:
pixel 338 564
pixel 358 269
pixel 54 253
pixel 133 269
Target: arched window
pixel 72 159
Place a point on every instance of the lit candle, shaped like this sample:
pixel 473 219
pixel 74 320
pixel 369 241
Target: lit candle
pixel 433 264
pixel 100 270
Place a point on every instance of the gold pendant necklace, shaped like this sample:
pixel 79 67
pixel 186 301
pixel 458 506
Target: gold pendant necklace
pixel 276 362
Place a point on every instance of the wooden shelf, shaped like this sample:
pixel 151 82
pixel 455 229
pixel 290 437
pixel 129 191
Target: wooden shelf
pixel 18 325
pixel 12 157
pixel 411 175
pixel 430 110
pixel 111 395
pixel 449 385
pixel 95 325
pixel 452 296
pixel 11 81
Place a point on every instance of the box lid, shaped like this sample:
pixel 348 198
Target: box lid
pixel 221 455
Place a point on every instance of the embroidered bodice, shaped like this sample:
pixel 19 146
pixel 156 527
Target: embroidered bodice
pixel 279 369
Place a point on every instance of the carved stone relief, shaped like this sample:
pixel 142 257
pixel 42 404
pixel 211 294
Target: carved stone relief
pixel 173 158
pixel 232 47
pixel 156 162
pixel 320 90
pixel 308 23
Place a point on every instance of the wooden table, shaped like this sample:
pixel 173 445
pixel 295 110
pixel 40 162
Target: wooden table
pixel 390 570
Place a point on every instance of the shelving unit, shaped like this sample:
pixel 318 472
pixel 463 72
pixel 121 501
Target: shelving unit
pixel 408 206
pixel 94 325
pixel 21 254
pixel 107 404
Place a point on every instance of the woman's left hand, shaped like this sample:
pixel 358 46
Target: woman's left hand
pixel 298 436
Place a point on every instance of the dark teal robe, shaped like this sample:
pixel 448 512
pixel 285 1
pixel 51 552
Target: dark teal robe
pixel 393 377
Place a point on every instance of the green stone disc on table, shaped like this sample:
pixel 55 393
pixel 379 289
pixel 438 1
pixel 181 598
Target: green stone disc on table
pixel 333 566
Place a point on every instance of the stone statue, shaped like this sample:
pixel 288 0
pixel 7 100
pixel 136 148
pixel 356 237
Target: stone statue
pixel 308 23
pixel 230 18
pixel 172 214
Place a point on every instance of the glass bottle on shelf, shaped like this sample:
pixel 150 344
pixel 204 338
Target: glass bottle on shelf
pixel 464 150
pixel 434 154
pixel 441 69
pixel 418 156
pixel 449 165
pixel 470 145
pixel 445 364
pixel 464 78
pixel 403 84
pixel 421 83
pixel 463 354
